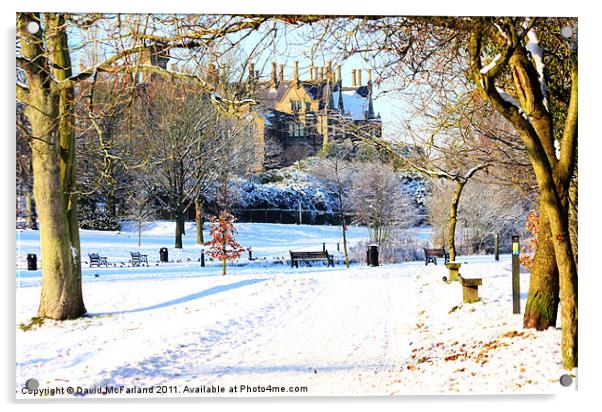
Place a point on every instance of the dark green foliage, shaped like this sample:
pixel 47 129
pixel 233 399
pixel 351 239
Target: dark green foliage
pixel 96 220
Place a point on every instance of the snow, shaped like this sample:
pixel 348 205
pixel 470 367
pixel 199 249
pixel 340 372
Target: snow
pixel 536 51
pixel 491 65
pixel 353 103
pixel 508 98
pixel 385 330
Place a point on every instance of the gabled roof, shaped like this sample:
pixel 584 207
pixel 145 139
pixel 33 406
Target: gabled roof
pixel 268 95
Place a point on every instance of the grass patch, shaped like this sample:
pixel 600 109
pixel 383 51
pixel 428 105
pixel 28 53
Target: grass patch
pixel 35 322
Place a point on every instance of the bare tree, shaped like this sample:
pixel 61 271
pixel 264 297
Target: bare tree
pixel 45 56
pixel 175 128
pixel 379 202
pixel 336 169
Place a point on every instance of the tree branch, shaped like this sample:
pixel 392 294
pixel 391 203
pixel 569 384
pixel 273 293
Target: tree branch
pixel 568 147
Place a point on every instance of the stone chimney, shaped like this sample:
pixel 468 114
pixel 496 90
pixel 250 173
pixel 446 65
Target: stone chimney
pixel 321 73
pixel 274 78
pixel 296 74
pixel 329 72
pixel 339 76
pixel 311 73
pixel 359 77
pixel 281 73
pixel 353 78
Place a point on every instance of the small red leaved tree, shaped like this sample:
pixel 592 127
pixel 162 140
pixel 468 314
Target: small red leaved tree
pixel 527 253
pixel 223 246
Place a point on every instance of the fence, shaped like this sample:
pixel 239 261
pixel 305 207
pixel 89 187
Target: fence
pixel 288 216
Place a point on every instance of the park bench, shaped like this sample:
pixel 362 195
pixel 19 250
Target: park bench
pixel 470 289
pixel 138 258
pixel 310 256
pixel 96 259
pixel 431 255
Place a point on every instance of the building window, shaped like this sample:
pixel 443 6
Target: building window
pixel 296 105
pixel 291 129
pixel 307 106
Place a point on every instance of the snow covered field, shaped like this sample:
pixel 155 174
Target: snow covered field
pixel 311 331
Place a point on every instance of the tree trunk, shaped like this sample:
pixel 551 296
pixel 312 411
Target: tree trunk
pixel 30 211
pixel 573 217
pixel 50 114
pixel 345 244
pixel 61 296
pixel 224 260
pixel 198 205
pixel 552 205
pixel 453 219
pixel 110 204
pixel 179 228
pixel 542 304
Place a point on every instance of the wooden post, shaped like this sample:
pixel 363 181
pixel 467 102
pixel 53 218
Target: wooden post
pixel 250 253
pixel 323 247
pixel 497 246
pixel 515 275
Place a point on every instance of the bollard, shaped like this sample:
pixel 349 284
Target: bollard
pixel 497 246
pixel 250 253
pixel 338 248
pixel 202 258
pixel 515 275
pixel 323 247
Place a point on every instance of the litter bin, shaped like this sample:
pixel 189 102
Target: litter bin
pixel 163 255
pixel 32 261
pixel 373 255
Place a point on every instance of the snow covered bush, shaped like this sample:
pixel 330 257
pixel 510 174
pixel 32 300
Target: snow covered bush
pixel 399 249
pixel 380 202
pixel 96 219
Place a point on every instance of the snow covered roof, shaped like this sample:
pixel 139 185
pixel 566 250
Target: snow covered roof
pixel 353 103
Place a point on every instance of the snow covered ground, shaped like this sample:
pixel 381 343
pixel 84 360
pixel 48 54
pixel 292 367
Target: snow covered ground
pixel 388 330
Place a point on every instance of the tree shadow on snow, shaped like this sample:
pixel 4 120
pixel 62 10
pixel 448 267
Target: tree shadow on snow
pixel 184 299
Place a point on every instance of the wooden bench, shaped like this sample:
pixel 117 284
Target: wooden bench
pixel 470 289
pixel 310 256
pixel 96 259
pixel 138 258
pixel 431 255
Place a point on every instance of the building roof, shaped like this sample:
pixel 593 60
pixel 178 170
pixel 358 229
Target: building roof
pixel 356 99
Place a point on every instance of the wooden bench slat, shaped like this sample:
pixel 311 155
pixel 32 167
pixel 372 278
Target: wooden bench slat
pixel 96 259
pixel 310 255
pixel 138 258
pixel 431 255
